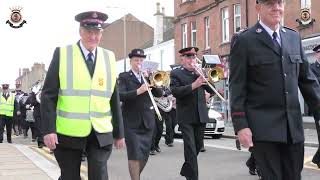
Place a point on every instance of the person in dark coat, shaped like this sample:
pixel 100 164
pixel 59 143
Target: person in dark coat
pixel 192 113
pixel 37 117
pixel 315 67
pixel 82 112
pixel 267 68
pixel 138 113
pixel 17 120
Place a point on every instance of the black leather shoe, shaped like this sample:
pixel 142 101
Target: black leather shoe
pixel 252 171
pixel 203 149
pixel 40 145
pixel 170 144
pixel 9 141
pixel 158 149
pixel 316 158
pixel 152 152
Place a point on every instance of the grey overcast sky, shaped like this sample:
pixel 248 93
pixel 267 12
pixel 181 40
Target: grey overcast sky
pixel 50 23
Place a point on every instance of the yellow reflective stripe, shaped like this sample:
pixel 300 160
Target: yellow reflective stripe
pixel 72 92
pixel 82 116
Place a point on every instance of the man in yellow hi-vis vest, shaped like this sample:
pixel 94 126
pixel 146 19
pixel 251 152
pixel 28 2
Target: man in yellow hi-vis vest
pixel 80 107
pixel 7 107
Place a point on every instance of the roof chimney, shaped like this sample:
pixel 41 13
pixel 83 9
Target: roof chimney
pixel 163 11
pixel 158 7
pixel 158 28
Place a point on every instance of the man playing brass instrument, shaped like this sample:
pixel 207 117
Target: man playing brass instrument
pixel 192 114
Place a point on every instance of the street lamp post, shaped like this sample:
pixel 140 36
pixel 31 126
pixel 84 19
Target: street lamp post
pixel 124 36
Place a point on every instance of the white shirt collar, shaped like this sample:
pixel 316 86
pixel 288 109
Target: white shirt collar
pixel 270 31
pixel 86 52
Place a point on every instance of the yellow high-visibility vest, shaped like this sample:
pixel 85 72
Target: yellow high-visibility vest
pixel 7 105
pixel 84 102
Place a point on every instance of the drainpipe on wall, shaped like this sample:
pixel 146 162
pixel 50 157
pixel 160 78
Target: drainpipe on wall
pixel 247 16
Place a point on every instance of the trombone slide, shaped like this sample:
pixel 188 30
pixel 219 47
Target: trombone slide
pixel 152 99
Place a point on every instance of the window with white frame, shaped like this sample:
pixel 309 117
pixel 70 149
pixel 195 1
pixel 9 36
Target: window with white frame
pixel 184 34
pixel 225 25
pixel 207 31
pixel 193 34
pixel 237 17
pixel 305 4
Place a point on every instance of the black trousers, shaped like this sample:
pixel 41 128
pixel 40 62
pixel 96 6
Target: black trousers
pixel 17 124
pixel 316 157
pixel 69 160
pixel 5 121
pixel 279 161
pixel 170 125
pixel 29 125
pixel 192 138
pixel 158 130
pixel 38 132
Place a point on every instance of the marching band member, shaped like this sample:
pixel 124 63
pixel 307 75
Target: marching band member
pixel 192 113
pixel 138 113
pixel 7 107
pixel 80 107
pixel 267 68
pixel 315 67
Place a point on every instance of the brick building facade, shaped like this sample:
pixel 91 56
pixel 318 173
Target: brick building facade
pixel 210 25
pixel 215 21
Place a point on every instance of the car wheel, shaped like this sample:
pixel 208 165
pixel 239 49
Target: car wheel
pixel 216 136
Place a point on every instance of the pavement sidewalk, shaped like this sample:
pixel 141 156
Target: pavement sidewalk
pixel 19 162
pixel 310 133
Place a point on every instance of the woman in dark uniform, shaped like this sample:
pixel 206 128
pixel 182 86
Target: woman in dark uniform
pixel 138 114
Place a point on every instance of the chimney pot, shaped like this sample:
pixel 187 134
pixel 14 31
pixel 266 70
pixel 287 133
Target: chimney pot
pixel 158 7
pixel 163 12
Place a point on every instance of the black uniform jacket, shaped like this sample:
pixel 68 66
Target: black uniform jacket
pixel 191 104
pixel 264 85
pixel 315 68
pixel 137 110
pixel 49 98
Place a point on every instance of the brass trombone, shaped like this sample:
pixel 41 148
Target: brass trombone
pixel 215 74
pixel 160 79
pixel 151 97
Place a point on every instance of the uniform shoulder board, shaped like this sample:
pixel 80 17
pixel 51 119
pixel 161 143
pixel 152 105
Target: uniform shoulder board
pixel 289 29
pixel 241 31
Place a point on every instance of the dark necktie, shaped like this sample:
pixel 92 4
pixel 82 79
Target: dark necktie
pixel 90 63
pixel 275 42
